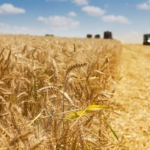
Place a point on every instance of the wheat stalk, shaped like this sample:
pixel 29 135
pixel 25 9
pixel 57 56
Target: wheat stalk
pixel 14 120
pixel 67 97
pixel 55 70
pixel 36 145
pixel 74 143
pixel 81 135
pixel 19 137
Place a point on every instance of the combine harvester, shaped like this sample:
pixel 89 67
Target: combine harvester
pixel 107 35
pixel 146 39
pixel 89 35
pixel 97 36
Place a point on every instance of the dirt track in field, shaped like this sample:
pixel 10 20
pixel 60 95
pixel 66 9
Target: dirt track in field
pixel 132 125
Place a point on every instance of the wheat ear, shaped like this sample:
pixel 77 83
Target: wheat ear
pixel 69 70
pixel 44 89
pixel 47 88
pixel 74 67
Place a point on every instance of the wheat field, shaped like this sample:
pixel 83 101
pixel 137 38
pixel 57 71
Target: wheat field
pixel 73 94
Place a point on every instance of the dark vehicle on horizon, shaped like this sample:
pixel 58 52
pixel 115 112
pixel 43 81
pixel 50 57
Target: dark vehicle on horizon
pixel 108 35
pixel 146 39
pixel 89 35
pixel 97 36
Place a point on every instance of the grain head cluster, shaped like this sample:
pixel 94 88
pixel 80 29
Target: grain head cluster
pixel 46 81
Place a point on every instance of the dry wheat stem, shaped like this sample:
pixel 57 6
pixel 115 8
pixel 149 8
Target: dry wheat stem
pixel 55 69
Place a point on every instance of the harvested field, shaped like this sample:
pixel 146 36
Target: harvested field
pixel 73 94
pixel 132 96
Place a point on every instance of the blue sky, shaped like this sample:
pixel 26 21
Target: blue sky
pixel 128 20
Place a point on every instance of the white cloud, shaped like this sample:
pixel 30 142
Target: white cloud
pixel 59 22
pixel 8 29
pixel 4 25
pixel 10 9
pixel 80 2
pixel 113 18
pixel 144 6
pixel 72 14
pixel 93 11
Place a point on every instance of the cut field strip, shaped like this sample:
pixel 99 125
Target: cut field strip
pixel 133 96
